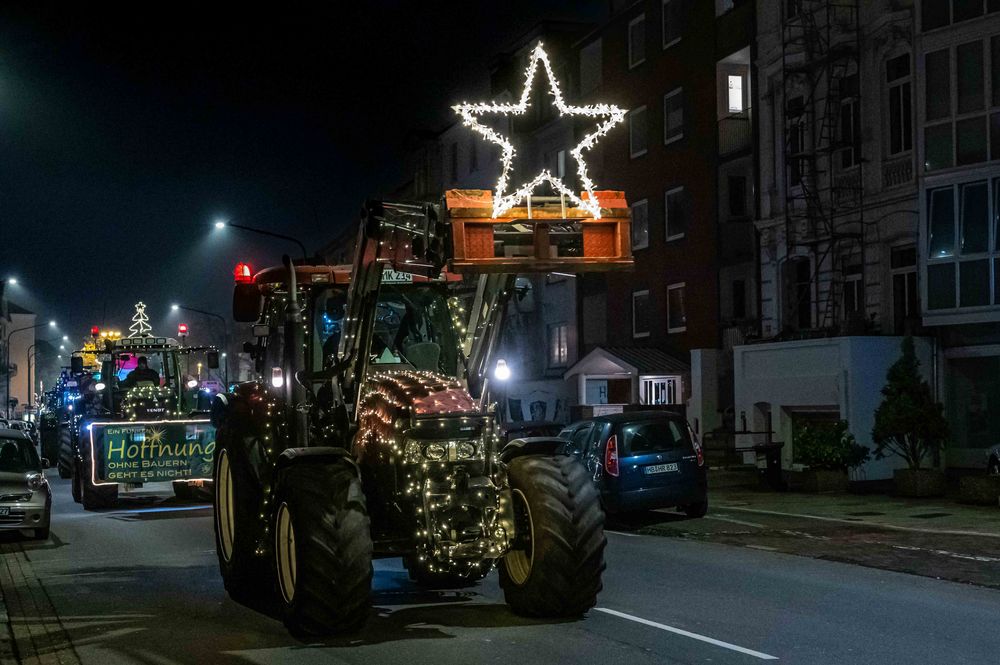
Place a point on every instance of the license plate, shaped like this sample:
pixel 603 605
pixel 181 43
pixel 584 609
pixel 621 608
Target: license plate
pixel 660 468
pixel 4 511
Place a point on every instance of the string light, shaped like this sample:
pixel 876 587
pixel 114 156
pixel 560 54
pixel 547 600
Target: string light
pixel 502 201
pixel 140 321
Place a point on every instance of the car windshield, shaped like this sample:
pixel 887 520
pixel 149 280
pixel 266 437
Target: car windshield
pixel 18 456
pixel 650 436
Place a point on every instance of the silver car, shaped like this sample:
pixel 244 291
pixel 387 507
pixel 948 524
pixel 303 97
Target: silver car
pixel 25 497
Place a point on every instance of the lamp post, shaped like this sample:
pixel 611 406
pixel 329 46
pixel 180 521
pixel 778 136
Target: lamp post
pixel 221 224
pixel 225 330
pixel 51 324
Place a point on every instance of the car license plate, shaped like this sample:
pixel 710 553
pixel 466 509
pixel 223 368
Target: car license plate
pixel 4 511
pixel 660 468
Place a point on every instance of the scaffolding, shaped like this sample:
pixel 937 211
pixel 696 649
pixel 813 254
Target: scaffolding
pixel 824 192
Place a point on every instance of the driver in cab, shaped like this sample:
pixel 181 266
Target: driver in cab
pixel 142 373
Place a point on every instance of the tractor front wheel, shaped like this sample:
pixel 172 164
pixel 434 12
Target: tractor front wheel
pixel 554 566
pixel 322 548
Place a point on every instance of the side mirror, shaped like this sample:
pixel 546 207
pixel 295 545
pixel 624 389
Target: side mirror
pixel 246 303
pixel 45 463
pixel 76 365
pixel 212 359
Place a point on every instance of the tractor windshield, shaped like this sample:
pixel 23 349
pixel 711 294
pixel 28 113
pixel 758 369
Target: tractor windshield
pixel 414 328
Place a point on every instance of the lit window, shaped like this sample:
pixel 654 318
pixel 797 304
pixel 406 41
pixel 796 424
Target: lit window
pixel 735 94
pixel 558 345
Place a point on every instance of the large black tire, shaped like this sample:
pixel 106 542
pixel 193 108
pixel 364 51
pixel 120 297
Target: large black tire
pixel 323 548
pixel 433 580
pixel 64 462
pixel 94 497
pixel 76 488
pixel 554 567
pixel 237 497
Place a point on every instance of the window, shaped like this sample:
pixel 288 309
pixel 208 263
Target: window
pixel 897 75
pixel 796 129
pixel 675 213
pixel 591 64
pixel 905 298
pixel 962 245
pixel 792 8
pixel 735 93
pixel 653 436
pixel 739 299
pixel 660 390
pixel 673 116
pixel 637 41
pixel 640 224
pixel 558 345
pixel 939 13
pixel 737 196
pixel 454 162
pixel 938 68
pixel 637 143
pixel 854 291
pixel 969 70
pixel 640 313
pixel 673 22
pixel 798 291
pixel 555 162
pixel 676 313
pixel 934 14
pixel 850 122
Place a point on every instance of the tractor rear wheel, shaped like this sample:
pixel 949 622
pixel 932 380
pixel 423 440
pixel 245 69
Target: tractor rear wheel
pixel 64 461
pixel 237 496
pixel 554 566
pixel 322 548
pixel 92 495
pixel 76 486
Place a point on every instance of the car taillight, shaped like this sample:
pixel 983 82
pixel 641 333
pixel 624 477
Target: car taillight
pixel 697 449
pixel 611 457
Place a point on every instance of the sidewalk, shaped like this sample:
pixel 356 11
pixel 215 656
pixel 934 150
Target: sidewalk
pixel 934 538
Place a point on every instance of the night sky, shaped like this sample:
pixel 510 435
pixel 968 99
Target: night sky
pixel 126 129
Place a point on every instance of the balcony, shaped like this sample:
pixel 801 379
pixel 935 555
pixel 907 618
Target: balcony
pixel 735 133
pixel 897 171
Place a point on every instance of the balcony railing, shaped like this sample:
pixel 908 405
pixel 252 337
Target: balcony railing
pixel 898 171
pixel 734 133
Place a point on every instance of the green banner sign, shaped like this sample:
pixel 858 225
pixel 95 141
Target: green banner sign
pixel 153 452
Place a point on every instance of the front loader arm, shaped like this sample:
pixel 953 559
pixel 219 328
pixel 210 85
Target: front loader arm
pixel 399 236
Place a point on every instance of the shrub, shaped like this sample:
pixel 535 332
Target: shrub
pixel 908 423
pixel 828 446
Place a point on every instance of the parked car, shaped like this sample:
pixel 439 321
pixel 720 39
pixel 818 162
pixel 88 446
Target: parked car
pixel 523 429
pixel 642 460
pixel 25 497
pixel 993 461
pixel 27 427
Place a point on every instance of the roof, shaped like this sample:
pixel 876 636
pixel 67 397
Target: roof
pixel 641 361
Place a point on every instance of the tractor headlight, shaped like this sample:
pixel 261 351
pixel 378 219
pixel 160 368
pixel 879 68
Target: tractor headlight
pixel 435 452
pixel 417 451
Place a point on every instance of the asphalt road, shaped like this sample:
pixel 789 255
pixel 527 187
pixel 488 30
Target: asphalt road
pixel 140 585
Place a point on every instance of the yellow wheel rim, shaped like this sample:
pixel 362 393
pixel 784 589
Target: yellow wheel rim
pixel 519 562
pixel 284 535
pixel 225 522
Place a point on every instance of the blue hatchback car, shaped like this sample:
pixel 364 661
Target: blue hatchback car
pixel 642 460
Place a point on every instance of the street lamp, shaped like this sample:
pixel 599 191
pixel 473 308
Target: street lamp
pixel 51 324
pixel 12 281
pixel 221 224
pixel 225 329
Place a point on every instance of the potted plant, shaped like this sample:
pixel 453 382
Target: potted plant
pixel 911 425
pixel 828 450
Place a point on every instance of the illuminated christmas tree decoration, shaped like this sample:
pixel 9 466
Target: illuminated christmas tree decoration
pixel 140 321
pixel 504 201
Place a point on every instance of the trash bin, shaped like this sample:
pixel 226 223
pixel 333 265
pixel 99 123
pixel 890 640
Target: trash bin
pixel 769 465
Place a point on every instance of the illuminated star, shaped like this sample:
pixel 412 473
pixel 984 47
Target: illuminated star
pixel 155 436
pixel 502 201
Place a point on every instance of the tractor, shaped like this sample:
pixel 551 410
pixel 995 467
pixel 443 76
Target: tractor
pixel 371 429
pixel 126 433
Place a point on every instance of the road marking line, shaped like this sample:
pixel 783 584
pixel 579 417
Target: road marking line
pixel 622 533
pixel 686 633
pixel 721 518
pixel 880 525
